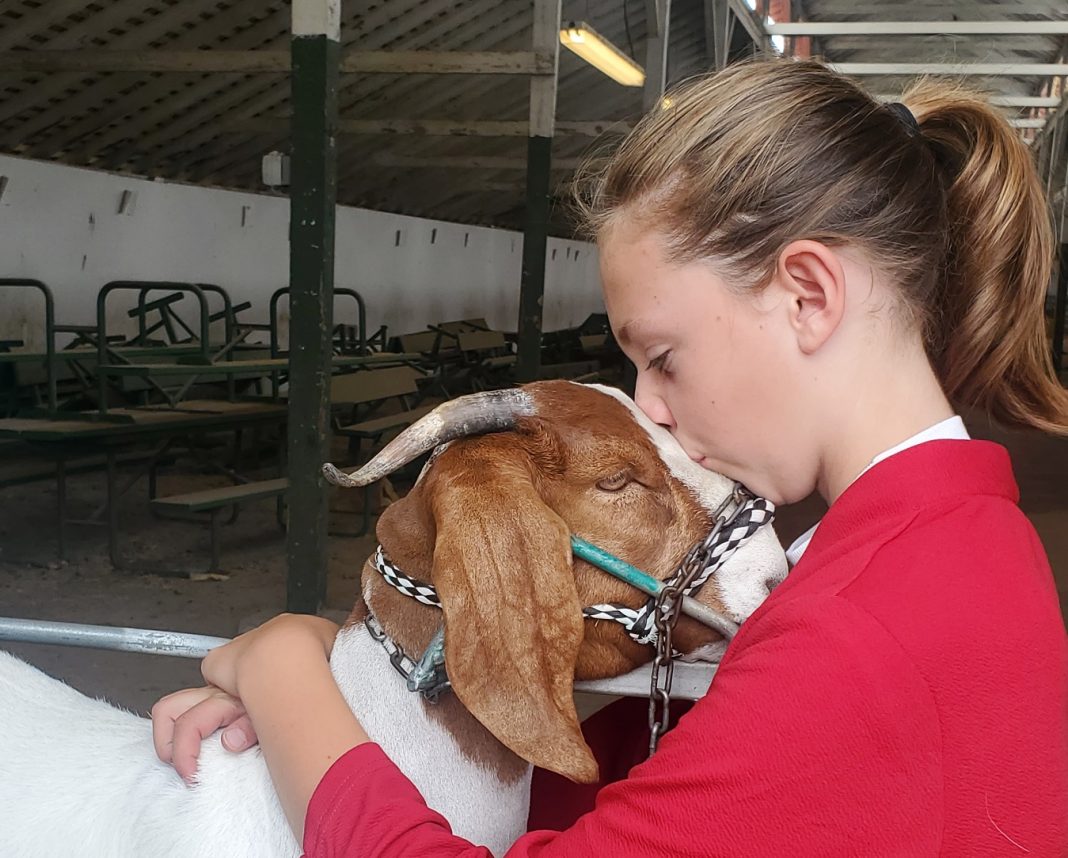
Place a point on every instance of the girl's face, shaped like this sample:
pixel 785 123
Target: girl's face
pixel 714 366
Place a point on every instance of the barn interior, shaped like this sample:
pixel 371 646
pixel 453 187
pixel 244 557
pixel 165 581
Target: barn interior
pixel 240 240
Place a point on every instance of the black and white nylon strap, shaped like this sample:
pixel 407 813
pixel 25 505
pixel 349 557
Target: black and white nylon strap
pixel 753 514
pixel 418 590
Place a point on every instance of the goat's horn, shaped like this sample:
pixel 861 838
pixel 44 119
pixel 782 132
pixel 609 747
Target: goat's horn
pixel 488 411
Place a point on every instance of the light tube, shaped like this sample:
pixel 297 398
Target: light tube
pixel 580 38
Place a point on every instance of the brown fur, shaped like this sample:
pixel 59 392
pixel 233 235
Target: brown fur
pixel 489 526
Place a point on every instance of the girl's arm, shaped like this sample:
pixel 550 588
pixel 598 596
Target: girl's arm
pixel 303 722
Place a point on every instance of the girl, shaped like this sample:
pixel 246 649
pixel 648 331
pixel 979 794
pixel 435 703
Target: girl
pixel 810 284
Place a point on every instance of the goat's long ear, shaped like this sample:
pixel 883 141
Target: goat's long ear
pixel 513 623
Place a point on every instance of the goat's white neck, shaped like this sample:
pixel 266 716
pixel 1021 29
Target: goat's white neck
pixel 450 777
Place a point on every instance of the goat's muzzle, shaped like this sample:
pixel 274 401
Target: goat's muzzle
pixel 474 414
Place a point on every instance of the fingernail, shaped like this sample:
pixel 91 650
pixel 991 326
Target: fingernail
pixel 234 739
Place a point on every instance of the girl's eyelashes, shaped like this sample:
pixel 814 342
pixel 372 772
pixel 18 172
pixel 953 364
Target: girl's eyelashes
pixel 659 362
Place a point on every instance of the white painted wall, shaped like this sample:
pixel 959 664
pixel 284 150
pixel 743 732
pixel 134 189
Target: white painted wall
pixel 62 225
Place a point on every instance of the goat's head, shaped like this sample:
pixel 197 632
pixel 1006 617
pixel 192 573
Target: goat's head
pixel 489 524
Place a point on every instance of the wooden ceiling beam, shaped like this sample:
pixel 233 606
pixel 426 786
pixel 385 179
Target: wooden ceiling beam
pixel 152 117
pixel 435 127
pixel 465 162
pixel 573 87
pixel 90 92
pixel 413 93
pixel 197 126
pixel 918 28
pixel 269 61
pixel 101 102
pixel 42 91
pixel 466 92
pixel 460 29
pixel 38 20
pixel 40 23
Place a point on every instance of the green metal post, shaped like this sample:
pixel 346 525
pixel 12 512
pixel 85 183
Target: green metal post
pixel 539 157
pixel 312 198
pixel 535 244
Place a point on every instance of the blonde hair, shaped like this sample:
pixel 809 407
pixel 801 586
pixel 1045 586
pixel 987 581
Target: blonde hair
pixel 767 152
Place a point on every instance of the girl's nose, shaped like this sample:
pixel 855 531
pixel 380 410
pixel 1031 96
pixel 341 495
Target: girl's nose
pixel 654 407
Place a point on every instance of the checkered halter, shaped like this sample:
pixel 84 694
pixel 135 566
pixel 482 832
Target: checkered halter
pixel 752 514
pixel 714 551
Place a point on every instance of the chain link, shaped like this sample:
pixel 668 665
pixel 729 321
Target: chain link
pixel 667 607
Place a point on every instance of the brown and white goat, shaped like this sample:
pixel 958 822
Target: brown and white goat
pixel 488 524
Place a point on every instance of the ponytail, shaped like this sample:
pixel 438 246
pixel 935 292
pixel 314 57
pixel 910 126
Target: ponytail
pixel 986 334
pixel 769 151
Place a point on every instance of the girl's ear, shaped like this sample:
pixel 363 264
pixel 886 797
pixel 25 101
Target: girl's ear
pixel 813 279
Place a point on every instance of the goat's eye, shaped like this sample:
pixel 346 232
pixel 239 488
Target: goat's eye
pixel 614 483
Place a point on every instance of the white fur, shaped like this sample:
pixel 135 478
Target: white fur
pixel 79 777
pixel 745 580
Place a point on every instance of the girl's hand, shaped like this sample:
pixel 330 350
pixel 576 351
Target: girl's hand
pixel 182 720
pixel 251 652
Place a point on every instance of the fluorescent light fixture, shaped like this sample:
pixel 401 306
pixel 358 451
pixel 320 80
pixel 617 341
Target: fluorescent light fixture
pixel 582 39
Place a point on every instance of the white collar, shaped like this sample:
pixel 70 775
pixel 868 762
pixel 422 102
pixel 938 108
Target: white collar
pixel 952 428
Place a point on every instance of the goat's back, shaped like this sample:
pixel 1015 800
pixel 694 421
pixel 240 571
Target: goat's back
pixel 80 777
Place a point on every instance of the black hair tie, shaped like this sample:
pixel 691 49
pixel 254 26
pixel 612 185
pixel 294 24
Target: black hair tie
pixel 905 116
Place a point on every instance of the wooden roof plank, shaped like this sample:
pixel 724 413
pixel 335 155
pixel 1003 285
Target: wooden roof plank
pixel 211 102
pixel 149 110
pixel 52 87
pixel 271 61
pixel 450 33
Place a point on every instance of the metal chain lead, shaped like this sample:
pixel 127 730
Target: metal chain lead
pixel 666 614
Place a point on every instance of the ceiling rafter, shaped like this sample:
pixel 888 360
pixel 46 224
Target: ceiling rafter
pixel 215 104
pixel 583 87
pixel 52 87
pixel 455 38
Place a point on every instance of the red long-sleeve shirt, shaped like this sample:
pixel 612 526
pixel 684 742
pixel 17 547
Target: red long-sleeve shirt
pixel 903 693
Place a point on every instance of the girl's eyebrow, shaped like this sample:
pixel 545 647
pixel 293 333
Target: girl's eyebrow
pixel 632 330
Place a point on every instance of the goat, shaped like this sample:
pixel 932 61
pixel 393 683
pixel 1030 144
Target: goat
pixel 488 523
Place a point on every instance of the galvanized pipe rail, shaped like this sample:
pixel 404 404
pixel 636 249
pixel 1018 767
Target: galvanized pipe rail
pixel 150 641
pixel 691 681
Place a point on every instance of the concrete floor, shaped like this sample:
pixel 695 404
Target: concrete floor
pixel 86 589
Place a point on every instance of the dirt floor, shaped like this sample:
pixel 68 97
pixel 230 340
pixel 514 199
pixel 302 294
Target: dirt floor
pixel 86 589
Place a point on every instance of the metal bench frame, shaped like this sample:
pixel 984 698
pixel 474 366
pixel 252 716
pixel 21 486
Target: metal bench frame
pixel 184 507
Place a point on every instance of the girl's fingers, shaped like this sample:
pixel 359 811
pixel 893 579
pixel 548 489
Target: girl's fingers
pixel 239 735
pixel 191 724
pixel 166 711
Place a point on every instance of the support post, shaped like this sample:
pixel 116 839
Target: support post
pixel 312 198
pixel 539 157
pixel 718 27
pixel 657 22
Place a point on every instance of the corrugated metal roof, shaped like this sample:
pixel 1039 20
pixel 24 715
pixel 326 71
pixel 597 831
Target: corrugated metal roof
pixel 213 128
